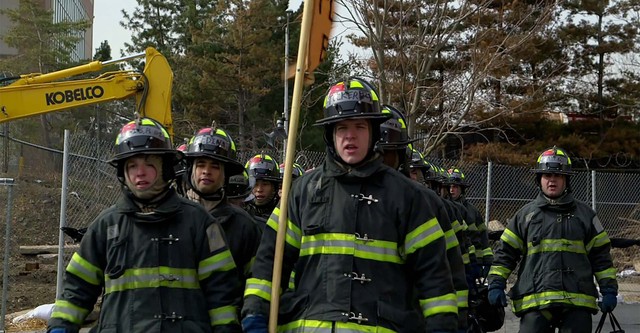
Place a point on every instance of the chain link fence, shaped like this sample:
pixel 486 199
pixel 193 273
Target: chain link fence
pixel 498 191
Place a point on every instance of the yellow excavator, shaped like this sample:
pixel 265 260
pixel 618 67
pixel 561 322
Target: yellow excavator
pixel 35 94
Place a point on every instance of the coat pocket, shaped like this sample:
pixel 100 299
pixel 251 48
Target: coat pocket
pixel 400 319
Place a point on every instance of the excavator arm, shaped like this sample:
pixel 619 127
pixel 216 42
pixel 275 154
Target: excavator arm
pixel 36 94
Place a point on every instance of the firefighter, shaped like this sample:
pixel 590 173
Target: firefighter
pixel 238 189
pixel 164 265
pixel 265 175
pixel 211 157
pixel 363 246
pixel 477 227
pixel 296 172
pixel 560 245
pixel 394 141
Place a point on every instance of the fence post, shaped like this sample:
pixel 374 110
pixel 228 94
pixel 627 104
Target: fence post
pixel 593 189
pixel 488 199
pixel 63 214
pixel 7 249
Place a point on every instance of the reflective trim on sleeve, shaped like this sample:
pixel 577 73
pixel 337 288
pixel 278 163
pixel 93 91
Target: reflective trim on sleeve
pixel 500 271
pixel 512 239
pixel 472 227
pixel 556 245
pixel 83 269
pixel 153 277
pixel 482 227
pixel 347 244
pixel 294 234
pixel 463 298
pixel 439 305
pixel 488 252
pixel 599 240
pixel 221 262
pixel 465 258
pixel 451 239
pixel 70 312
pixel 259 288
pixel 223 315
pixel 550 297
pixel 317 326
pixel 455 225
pixel 422 236
pixel 609 273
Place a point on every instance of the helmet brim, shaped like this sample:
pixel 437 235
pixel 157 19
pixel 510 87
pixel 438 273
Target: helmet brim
pixel 558 172
pixel 376 117
pixel 176 154
pixel 232 167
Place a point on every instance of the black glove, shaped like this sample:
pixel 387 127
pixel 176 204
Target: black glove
pixel 255 324
pixel 609 302
pixel 497 295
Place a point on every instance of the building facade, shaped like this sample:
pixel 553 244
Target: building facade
pixel 63 10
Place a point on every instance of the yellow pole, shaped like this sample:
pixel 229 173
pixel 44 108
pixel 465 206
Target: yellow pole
pixel 307 16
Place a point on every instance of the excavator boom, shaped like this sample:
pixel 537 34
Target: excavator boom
pixel 35 94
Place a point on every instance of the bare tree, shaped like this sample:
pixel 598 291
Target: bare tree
pixel 444 62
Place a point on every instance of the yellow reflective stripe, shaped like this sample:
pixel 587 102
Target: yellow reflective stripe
pixel 478 253
pixel 455 225
pixel 83 269
pixel 68 311
pixel 346 244
pixel 221 262
pixel 318 326
pixel 441 304
pixel 463 298
pixel 597 241
pixel 293 235
pixel 422 236
pixel 153 277
pixel 472 250
pixel 465 258
pixel 488 252
pixel 451 239
pixel 500 271
pixel 551 297
pixel 472 227
pixel 248 267
pixel 609 273
pixel 512 239
pixel 223 315
pixel 465 227
pixel 258 287
pixel 556 245
pixel 292 280
pixel 482 226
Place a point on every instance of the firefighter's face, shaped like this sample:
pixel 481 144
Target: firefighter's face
pixel 553 185
pixel 142 171
pixel 263 191
pixel 416 174
pixel 351 139
pixel 207 175
pixel 455 191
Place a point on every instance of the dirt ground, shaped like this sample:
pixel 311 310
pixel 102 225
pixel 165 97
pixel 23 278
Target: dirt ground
pixel 35 214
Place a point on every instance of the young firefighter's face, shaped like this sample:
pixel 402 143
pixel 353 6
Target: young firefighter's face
pixel 455 191
pixel 208 175
pixel 263 191
pixel 351 139
pixel 142 170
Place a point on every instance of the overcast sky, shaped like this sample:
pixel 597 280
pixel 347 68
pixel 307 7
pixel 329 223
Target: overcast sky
pixel 106 23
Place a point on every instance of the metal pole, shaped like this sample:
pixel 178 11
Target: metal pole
pixel 593 189
pixel 488 200
pixel 7 249
pixel 63 214
pixel 5 149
